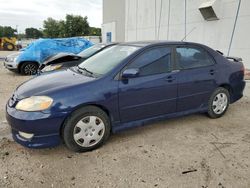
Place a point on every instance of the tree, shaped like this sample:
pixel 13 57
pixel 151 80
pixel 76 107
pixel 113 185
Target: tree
pixel 76 26
pixel 52 28
pixel 94 31
pixel 7 31
pixel 21 36
pixel 72 26
pixel 33 33
pixel 61 26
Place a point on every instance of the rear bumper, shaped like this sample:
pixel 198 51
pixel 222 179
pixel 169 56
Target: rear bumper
pixel 44 127
pixel 238 91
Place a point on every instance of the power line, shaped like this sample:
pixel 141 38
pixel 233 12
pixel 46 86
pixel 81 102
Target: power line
pixel 185 2
pixel 159 26
pixel 136 19
pixel 168 18
pixel 235 22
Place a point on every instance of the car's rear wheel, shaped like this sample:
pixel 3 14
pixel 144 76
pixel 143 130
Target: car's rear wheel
pixel 218 103
pixel 86 129
pixel 29 68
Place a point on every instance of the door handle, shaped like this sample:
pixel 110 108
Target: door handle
pixel 170 79
pixel 212 72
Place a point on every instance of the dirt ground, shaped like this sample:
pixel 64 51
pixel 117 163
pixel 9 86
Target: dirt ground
pixel 192 151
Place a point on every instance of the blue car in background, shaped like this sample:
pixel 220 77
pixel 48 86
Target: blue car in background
pixel 29 59
pixel 126 85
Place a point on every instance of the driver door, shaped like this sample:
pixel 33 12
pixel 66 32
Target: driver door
pixel 154 91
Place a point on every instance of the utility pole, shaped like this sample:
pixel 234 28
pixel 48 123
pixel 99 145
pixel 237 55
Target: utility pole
pixel 17 30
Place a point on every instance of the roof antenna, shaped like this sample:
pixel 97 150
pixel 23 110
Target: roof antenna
pixel 188 33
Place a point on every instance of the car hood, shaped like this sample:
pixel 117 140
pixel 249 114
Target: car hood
pixel 51 82
pixel 14 55
pixel 59 55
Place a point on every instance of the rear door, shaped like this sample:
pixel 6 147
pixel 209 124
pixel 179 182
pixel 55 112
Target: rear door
pixel 196 77
pixel 154 91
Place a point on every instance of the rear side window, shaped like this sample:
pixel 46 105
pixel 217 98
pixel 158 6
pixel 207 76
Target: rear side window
pixel 189 57
pixel 153 61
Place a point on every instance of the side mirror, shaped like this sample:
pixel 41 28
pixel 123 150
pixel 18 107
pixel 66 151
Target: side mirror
pixel 130 73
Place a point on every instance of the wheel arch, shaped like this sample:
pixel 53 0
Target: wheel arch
pixel 103 108
pixel 22 62
pixel 229 88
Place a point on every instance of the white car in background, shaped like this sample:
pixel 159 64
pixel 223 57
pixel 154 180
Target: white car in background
pixel 10 61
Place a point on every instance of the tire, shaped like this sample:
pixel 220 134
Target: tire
pixel 218 103
pixel 86 129
pixel 29 68
pixel 9 47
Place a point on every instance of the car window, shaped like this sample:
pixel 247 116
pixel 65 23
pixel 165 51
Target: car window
pixel 188 57
pixel 153 61
pixel 90 51
pixel 106 60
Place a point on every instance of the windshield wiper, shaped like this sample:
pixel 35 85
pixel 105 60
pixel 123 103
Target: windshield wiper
pixel 86 70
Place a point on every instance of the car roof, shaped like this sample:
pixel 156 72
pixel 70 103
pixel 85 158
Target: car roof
pixel 106 44
pixel 155 42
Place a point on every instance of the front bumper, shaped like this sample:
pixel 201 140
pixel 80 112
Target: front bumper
pixel 11 65
pixel 37 142
pixel 45 127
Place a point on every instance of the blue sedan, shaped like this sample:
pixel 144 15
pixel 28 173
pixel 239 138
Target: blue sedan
pixel 127 85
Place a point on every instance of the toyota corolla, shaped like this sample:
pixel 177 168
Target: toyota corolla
pixel 127 85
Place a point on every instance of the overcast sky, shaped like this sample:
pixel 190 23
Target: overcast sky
pixel 31 13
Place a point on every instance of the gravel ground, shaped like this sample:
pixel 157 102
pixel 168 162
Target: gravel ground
pixel 192 151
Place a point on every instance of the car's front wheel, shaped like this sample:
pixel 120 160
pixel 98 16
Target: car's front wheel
pixel 86 129
pixel 29 68
pixel 218 102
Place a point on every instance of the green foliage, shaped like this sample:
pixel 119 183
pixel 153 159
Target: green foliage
pixel 76 26
pixel 72 26
pixel 33 33
pixel 94 31
pixel 7 31
pixel 21 36
pixel 61 26
pixel 52 28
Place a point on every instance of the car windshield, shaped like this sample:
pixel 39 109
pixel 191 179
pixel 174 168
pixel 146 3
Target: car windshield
pixel 90 51
pixel 107 59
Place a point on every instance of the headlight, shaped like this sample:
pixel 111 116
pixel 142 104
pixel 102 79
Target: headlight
pixel 51 68
pixel 34 103
pixel 10 59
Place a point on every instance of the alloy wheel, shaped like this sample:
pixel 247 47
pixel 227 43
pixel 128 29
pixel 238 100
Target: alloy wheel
pixel 30 69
